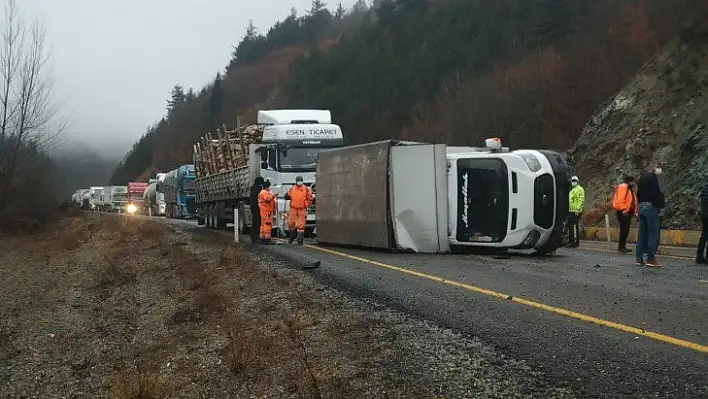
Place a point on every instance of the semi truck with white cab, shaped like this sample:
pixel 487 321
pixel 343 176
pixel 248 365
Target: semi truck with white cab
pixel 282 145
pixel 97 197
pixel 81 198
pixel 116 198
pixel 431 198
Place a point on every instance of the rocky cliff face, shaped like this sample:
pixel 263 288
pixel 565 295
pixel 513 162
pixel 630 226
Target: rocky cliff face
pixel 661 116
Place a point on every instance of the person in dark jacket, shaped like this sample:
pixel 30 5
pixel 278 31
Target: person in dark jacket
pixel 703 241
pixel 651 202
pixel 255 212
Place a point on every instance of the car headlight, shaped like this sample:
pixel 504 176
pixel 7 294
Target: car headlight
pixel 132 208
pixel 532 162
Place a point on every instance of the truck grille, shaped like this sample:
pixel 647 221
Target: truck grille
pixel 544 201
pixel 191 205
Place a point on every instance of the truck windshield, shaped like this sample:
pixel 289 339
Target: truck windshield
pixel 188 185
pixel 298 159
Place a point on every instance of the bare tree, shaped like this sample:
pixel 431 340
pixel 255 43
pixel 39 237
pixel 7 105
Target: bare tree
pixel 29 117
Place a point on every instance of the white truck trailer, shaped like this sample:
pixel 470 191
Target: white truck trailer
pixel 283 145
pixel 97 197
pixel 432 198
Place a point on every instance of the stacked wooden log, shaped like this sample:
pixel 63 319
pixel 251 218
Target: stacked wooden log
pixel 228 150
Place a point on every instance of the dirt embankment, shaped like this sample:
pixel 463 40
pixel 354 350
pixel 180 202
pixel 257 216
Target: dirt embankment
pixel 105 306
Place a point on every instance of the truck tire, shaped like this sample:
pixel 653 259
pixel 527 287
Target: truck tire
pixel 200 217
pixel 207 216
pixel 214 217
pixel 220 216
pixel 242 228
pixel 550 247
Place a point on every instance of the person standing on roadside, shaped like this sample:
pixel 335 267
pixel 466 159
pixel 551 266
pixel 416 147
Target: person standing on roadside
pixel 625 203
pixel 576 199
pixel 300 198
pixel 255 210
pixel 702 250
pixel 651 202
pixel 266 205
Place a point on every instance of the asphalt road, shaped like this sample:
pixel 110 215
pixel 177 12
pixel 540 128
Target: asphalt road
pixel 521 305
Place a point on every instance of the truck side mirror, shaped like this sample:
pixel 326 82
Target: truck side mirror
pixel 264 165
pixel 264 154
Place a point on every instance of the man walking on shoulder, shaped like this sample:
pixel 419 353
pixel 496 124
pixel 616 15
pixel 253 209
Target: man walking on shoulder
pixel 576 199
pixel 703 241
pixel 651 202
pixel 625 203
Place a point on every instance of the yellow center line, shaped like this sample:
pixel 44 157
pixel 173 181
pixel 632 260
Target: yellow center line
pixel 552 309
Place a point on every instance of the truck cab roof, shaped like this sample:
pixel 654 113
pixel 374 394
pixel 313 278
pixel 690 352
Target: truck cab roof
pixel 293 116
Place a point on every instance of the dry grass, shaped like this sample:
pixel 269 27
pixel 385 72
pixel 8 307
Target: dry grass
pixel 127 308
pixel 137 385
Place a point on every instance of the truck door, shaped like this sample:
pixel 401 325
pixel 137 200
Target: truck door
pixel 482 200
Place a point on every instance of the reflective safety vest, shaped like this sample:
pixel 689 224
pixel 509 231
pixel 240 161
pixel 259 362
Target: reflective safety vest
pixel 300 197
pixel 576 199
pixel 266 201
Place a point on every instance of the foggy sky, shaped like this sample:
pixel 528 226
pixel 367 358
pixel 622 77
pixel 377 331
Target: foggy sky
pixel 114 62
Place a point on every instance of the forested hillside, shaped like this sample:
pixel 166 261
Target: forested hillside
pixel 453 71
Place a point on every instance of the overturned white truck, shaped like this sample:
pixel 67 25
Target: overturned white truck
pixel 433 198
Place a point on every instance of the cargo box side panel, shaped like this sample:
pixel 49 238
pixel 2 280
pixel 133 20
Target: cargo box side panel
pixel 414 198
pixel 352 196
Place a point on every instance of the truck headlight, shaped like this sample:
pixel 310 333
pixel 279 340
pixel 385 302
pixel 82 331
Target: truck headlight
pixel 531 238
pixel 532 162
pixel 131 208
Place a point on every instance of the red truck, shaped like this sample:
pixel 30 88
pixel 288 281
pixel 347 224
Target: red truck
pixel 134 197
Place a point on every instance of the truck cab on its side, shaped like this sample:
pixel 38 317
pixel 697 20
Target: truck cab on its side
pixel 506 199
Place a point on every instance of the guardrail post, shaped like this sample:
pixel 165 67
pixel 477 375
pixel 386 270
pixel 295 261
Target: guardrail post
pixel 236 236
pixel 607 231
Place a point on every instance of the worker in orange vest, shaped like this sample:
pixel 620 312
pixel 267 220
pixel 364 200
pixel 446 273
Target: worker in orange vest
pixel 624 203
pixel 266 205
pixel 300 198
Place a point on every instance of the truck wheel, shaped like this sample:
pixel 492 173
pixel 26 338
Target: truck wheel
pixel 219 211
pixel 242 228
pixel 214 217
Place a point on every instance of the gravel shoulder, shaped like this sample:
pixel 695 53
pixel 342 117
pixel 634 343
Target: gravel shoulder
pixel 108 306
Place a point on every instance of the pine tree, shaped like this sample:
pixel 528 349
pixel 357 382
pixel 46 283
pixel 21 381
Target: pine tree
pixel 251 31
pixel 216 99
pixel 177 99
pixel 359 6
pixel 339 14
pixel 317 6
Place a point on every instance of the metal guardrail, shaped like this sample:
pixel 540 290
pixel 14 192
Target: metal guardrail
pixel 677 238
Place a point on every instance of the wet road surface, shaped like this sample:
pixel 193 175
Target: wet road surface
pixel 587 317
